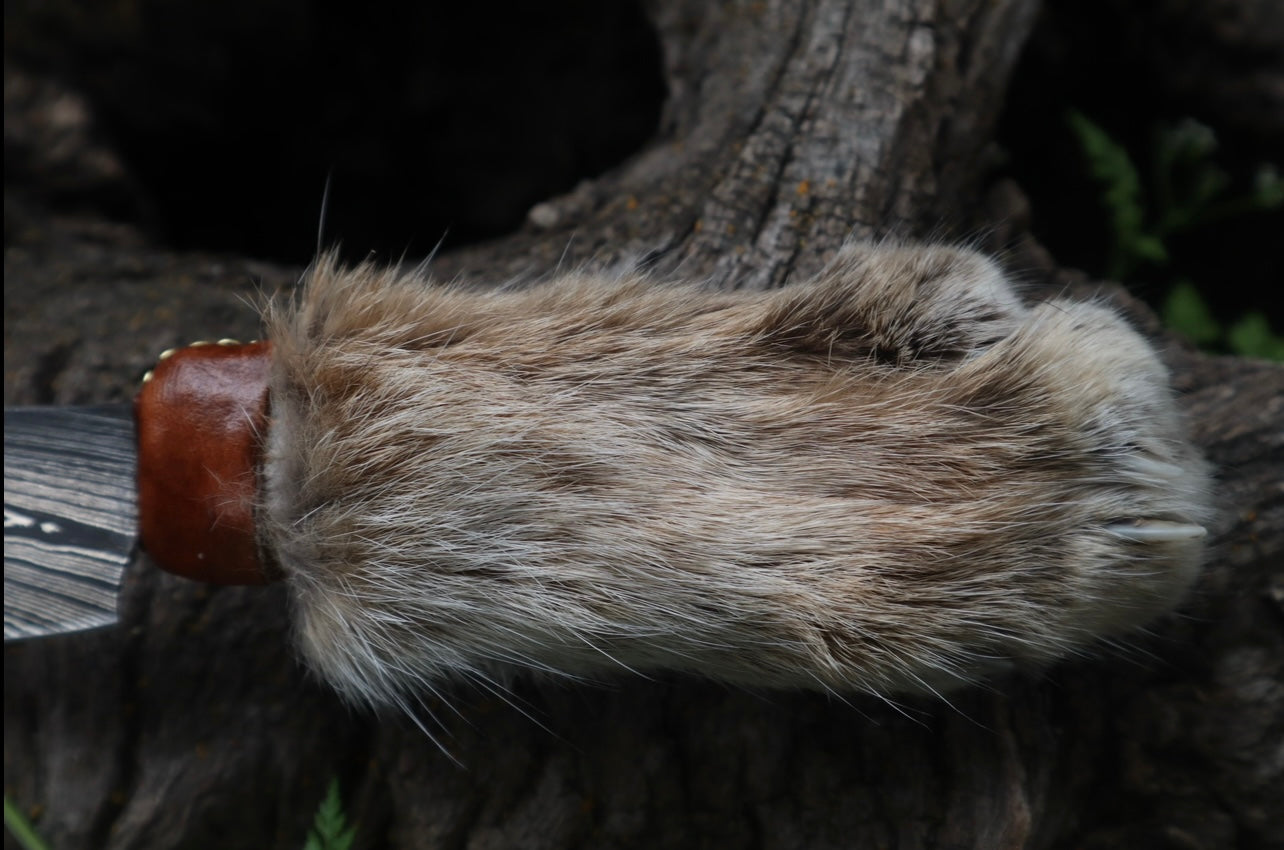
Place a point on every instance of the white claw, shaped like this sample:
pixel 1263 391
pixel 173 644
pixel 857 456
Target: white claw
pixel 1157 531
pixel 1156 469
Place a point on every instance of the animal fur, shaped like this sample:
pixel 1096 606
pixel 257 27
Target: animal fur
pixel 895 477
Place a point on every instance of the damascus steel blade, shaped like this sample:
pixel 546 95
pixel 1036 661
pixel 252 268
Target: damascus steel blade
pixel 70 516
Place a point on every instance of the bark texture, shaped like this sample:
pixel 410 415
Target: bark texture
pixel 789 127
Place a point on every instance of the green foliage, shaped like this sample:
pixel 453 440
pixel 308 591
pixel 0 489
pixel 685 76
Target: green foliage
pixel 21 829
pixel 330 830
pixel 1251 336
pixel 1185 312
pixel 1189 191
pixel 1121 194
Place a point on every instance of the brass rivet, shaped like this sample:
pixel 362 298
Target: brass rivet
pixel 229 342
pixel 167 353
pixel 147 376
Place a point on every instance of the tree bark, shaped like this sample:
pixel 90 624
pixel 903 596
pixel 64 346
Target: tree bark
pixel 790 127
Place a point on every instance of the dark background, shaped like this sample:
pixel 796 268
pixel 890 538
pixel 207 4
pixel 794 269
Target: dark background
pixel 446 122
pixel 431 122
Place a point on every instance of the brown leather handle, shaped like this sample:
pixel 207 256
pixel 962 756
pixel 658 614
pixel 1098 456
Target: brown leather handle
pixel 201 419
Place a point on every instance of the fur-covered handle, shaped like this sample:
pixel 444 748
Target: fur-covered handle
pixel 201 418
pixel 894 477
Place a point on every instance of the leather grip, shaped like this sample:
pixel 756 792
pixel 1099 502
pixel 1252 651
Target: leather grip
pixel 201 417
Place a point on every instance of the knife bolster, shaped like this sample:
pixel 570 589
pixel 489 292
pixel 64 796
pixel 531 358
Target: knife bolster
pixel 202 417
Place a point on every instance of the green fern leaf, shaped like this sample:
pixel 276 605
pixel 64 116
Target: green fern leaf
pixel 330 830
pixel 1110 165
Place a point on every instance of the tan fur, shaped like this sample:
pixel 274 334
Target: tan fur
pixel 892 478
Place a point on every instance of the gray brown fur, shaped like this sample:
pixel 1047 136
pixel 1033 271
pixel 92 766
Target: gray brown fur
pixel 892 478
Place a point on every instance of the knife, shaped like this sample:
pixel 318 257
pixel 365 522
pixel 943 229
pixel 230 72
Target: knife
pixel 792 489
pixel 70 516
pixel 176 470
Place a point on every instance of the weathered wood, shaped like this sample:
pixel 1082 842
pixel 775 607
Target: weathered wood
pixel 790 126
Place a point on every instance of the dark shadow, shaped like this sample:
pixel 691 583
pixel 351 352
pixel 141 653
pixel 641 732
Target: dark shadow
pixel 429 119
